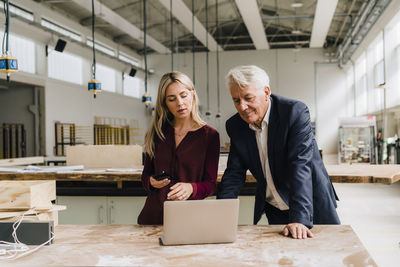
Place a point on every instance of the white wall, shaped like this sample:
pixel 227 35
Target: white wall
pixel 67 102
pixel 17 111
pixel 291 73
pixel 71 103
pixel 332 100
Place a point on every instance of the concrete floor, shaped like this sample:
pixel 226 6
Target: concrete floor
pixel 373 210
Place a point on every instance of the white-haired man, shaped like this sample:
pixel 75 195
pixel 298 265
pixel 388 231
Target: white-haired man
pixel 272 137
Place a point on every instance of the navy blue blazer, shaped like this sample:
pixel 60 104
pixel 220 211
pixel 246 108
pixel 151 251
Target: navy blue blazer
pixel 296 166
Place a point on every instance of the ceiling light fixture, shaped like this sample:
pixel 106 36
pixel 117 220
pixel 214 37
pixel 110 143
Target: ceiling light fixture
pixel 296 32
pixel 297 48
pixel 297 4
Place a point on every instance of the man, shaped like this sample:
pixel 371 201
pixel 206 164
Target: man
pixel 272 137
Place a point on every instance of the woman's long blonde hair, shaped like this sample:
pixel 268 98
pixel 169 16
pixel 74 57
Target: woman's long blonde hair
pixel 163 115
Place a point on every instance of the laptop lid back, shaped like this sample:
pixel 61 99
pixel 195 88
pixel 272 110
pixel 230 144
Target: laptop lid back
pixel 200 221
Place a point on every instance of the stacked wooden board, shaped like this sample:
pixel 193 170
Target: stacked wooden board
pixel 33 199
pixel 105 156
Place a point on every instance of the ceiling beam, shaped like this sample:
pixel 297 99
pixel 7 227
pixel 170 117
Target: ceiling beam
pixel 184 15
pixel 322 20
pixel 252 19
pixel 117 21
pixel 40 10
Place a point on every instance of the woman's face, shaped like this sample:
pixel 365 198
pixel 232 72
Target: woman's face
pixel 179 100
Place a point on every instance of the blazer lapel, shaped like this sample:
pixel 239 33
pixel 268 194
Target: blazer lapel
pixel 272 133
pixel 253 153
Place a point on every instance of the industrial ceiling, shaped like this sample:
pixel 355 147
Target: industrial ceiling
pixel 241 24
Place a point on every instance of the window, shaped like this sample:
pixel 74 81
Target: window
pixel 24 50
pixel 107 77
pixel 65 66
pixel 361 85
pixel 375 74
pixel 61 29
pixel 133 86
pixel 392 53
pixel 350 89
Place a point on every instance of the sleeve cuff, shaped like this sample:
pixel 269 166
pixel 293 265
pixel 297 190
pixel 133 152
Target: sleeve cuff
pixel 303 219
pixel 194 193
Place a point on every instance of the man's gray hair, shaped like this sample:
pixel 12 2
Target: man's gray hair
pixel 245 75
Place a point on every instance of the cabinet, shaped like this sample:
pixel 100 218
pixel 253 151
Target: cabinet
pixel 357 142
pixel 100 210
pixel 125 210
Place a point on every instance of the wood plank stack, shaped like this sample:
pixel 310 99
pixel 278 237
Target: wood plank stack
pixel 105 156
pixel 21 161
pixel 32 198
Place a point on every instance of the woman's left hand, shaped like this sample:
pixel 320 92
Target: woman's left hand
pixel 180 191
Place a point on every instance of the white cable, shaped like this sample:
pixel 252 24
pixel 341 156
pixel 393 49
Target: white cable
pixel 17 246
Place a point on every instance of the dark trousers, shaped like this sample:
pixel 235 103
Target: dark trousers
pixel 275 215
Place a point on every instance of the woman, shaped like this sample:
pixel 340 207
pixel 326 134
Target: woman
pixel 180 144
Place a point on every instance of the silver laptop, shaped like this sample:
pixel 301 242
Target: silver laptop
pixel 200 221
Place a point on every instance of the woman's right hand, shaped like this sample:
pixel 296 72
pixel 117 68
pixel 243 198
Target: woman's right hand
pixel 159 184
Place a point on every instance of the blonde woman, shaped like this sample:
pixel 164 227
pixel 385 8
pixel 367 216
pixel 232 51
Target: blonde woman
pixel 182 152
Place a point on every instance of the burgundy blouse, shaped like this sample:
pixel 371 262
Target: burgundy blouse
pixel 194 161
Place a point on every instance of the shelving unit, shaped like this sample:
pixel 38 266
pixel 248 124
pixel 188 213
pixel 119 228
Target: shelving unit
pixel 357 142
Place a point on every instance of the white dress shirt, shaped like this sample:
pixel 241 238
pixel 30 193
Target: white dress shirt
pixel 272 196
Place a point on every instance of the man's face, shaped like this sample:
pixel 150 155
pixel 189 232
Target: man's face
pixel 251 103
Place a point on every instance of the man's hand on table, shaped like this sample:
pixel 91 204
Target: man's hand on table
pixel 297 231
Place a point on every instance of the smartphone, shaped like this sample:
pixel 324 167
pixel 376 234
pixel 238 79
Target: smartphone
pixel 161 176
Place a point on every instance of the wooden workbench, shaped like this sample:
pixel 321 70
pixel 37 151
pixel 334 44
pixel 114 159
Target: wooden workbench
pixel 364 173
pixel 133 245
pixel 356 173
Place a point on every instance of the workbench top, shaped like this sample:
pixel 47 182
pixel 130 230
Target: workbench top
pixel 134 245
pixel 345 173
pixel 364 173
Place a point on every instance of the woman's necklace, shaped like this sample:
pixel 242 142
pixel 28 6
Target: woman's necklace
pixel 183 132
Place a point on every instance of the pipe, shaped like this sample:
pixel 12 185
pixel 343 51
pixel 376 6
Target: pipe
pixel 363 24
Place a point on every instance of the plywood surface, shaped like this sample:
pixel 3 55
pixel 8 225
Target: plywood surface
pixel 104 156
pixel 27 194
pixel 383 174
pixel 99 175
pixel 364 173
pixel 21 161
pixel 133 245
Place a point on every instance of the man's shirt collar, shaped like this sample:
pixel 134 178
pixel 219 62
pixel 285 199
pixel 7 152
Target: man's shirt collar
pixel 265 121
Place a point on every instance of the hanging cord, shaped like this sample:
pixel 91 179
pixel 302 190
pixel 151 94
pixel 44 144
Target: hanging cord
pixel 208 81
pixel 6 32
pixel 5 35
pixel 193 40
pixel 94 51
pixel 172 35
pixel 216 22
pixel 145 45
